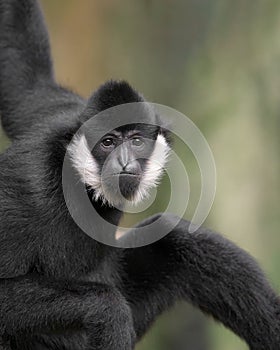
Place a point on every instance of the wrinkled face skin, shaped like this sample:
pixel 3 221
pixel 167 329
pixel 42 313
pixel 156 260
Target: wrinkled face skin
pixel 124 165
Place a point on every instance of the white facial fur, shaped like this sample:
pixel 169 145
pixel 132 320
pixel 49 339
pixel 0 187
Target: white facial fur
pixel 88 169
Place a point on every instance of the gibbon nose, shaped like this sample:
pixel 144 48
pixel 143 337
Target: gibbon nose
pixel 127 163
pixel 123 157
pixel 132 167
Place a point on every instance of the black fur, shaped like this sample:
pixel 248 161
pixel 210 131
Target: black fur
pixel 60 289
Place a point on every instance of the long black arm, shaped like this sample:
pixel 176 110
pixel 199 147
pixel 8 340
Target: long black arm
pixel 209 271
pixel 28 91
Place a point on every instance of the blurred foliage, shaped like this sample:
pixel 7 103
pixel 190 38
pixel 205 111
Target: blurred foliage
pixel 218 62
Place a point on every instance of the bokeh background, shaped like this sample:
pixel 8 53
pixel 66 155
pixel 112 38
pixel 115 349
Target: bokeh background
pixel 217 62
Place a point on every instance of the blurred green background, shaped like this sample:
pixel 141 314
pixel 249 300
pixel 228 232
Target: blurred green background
pixel 217 62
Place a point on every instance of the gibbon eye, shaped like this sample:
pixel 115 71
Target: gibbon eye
pixel 137 142
pixel 108 142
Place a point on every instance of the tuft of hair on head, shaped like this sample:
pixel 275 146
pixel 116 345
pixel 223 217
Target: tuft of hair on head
pixel 111 94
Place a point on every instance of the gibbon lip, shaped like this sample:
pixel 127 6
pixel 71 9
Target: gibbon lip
pixel 124 173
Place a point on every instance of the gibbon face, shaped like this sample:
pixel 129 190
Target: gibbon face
pixel 124 165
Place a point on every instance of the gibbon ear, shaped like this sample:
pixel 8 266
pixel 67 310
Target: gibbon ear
pixel 167 135
pixel 165 128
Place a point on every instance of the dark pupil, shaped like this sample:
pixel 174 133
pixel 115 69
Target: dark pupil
pixel 137 142
pixel 107 142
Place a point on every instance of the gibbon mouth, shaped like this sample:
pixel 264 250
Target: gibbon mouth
pixel 123 173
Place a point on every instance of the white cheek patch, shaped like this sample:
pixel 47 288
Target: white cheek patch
pixel 154 168
pixel 85 164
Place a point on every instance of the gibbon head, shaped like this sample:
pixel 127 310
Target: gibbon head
pixel 126 162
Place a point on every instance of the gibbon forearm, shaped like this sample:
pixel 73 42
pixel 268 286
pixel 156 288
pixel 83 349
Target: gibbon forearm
pixel 24 49
pixel 28 91
pixel 212 273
